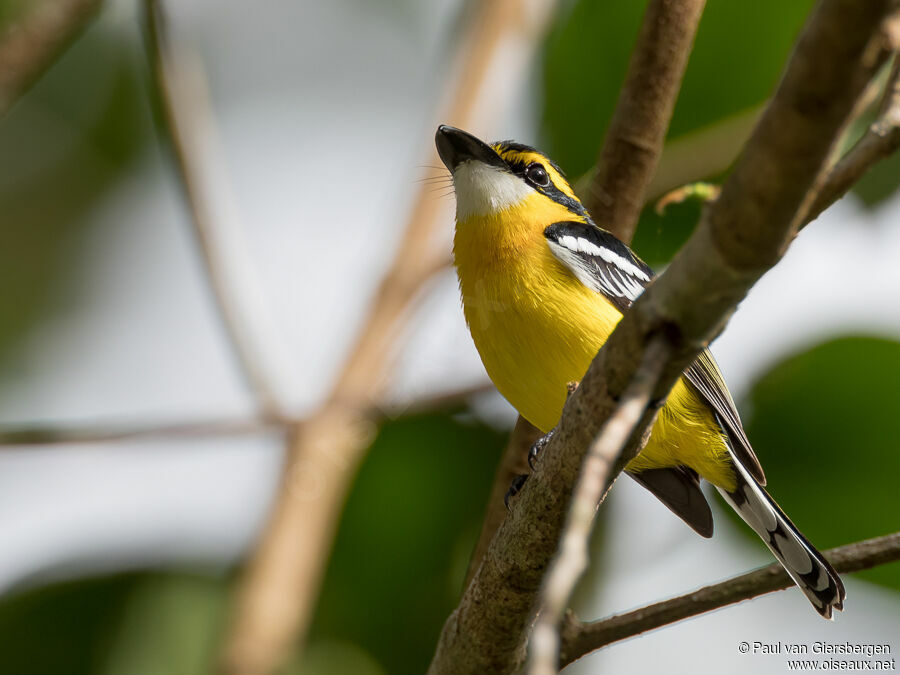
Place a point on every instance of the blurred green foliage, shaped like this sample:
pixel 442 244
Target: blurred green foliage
pixel 63 628
pixel 62 148
pixel 739 54
pixel 407 531
pixel 9 11
pixel 820 423
pixel 394 576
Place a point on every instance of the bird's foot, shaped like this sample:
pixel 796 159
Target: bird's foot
pixel 519 481
pixel 537 446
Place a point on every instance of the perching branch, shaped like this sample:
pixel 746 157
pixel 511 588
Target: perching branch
pixel 582 638
pixel 189 123
pixel 278 591
pixel 597 475
pixel 638 127
pixel 33 41
pixel 741 235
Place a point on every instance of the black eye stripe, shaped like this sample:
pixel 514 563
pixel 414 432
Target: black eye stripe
pixel 519 168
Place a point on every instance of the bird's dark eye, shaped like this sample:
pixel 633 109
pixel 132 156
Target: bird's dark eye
pixel 537 175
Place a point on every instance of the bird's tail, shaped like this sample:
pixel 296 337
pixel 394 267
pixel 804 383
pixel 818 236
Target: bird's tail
pixel 810 571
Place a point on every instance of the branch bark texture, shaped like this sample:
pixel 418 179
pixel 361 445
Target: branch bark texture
pixel 641 119
pixel 741 235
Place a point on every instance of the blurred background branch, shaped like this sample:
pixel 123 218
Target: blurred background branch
pixel 275 600
pixel 190 126
pixel 31 43
pixel 110 431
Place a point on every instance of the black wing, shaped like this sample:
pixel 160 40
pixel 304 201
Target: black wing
pixel 603 263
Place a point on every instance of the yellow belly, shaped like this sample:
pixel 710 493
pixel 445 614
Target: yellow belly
pixel 537 333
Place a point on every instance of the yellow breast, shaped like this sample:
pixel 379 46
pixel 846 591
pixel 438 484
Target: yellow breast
pixel 536 328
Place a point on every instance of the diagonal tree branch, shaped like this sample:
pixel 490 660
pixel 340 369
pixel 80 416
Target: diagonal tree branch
pixel 638 127
pixel 582 638
pixel 740 236
pixel 33 41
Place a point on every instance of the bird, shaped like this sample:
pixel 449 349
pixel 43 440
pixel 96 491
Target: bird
pixel 543 286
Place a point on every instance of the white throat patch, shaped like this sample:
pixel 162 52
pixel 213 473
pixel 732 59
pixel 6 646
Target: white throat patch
pixel 482 190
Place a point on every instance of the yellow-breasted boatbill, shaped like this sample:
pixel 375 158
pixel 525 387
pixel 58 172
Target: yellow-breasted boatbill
pixel 543 287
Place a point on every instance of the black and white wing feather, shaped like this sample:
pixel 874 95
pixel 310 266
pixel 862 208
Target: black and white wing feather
pixel 600 261
pixel 603 263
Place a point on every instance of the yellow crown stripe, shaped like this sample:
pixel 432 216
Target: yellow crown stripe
pixel 527 157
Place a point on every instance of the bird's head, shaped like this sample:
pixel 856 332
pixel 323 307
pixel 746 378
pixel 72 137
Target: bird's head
pixel 505 180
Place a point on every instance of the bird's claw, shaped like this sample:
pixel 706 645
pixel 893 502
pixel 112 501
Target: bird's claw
pixel 519 481
pixel 537 446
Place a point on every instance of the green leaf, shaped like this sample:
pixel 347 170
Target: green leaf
pixel 405 538
pixel 69 141
pixel 879 182
pixel 137 623
pixel 739 54
pixel 63 628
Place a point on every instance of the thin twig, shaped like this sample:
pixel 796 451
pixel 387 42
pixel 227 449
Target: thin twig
pixel 881 140
pixel 594 480
pixel 279 589
pixel 111 431
pixel 31 43
pixel 638 128
pixel 740 236
pixel 190 125
pixel 581 638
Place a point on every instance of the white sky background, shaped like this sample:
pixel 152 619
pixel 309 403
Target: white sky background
pixel 326 111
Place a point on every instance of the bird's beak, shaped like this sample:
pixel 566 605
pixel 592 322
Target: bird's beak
pixel 456 146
